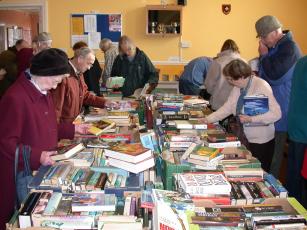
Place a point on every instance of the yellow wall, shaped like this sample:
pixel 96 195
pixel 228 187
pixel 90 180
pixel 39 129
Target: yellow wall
pixel 204 24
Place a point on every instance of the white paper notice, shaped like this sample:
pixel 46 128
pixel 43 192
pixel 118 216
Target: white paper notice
pixel 90 23
pixel 94 40
pixel 79 38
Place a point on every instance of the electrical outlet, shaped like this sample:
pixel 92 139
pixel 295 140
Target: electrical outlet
pixel 185 44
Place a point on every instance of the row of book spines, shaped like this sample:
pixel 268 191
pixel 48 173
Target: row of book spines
pixel 115 180
pixel 250 192
pixel 132 206
pixel 54 204
pixel 77 178
pixel 275 185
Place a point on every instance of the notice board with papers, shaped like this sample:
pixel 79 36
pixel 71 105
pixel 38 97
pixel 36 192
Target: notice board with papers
pixel 91 28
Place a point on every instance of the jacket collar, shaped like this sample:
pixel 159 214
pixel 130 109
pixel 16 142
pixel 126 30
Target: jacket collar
pixel 31 90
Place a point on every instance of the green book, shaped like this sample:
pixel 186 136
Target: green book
pixel 115 81
pixel 297 206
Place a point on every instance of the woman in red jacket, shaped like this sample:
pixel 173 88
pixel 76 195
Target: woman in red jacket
pixel 28 118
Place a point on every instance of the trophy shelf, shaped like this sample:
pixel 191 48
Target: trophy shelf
pixel 163 20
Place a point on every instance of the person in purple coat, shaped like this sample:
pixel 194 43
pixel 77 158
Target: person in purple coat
pixel 28 117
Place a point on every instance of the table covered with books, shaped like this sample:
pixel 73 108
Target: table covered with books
pixel 153 164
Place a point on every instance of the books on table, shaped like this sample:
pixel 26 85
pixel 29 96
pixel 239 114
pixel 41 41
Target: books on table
pixel 132 157
pixel 131 152
pixel 101 126
pixel 190 124
pixel 198 184
pixel 68 151
pixel 85 202
pixel 131 167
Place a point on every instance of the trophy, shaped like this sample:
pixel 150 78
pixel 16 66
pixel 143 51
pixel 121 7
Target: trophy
pixel 174 27
pixel 161 28
pixel 153 27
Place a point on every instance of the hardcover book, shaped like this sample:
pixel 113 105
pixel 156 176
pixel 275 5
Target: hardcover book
pixel 204 183
pixel 115 81
pixel 68 151
pixel 101 126
pixel 255 105
pixel 204 153
pixel 131 152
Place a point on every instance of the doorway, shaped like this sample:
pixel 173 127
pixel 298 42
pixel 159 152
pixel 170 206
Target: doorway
pixel 21 21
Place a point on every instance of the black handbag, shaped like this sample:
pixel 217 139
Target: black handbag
pixel 22 178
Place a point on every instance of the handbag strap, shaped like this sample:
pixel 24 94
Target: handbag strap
pixel 26 160
pixel 16 163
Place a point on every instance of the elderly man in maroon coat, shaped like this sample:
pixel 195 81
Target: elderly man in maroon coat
pixel 28 118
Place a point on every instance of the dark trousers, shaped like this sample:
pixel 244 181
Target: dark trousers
pixel 294 179
pixel 263 152
pixel 187 88
pixel 280 140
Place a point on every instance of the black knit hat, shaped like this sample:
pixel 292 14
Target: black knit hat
pixel 50 62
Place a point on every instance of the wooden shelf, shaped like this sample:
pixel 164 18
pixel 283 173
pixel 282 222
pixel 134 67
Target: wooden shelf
pixel 163 20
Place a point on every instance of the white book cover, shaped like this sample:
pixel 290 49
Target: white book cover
pixel 134 168
pixel 198 184
pixel 133 153
pixel 221 145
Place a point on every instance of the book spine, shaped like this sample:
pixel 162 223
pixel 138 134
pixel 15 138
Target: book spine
pixel 63 175
pixel 93 181
pixel 123 182
pixel 133 206
pixel 254 191
pixel 247 195
pixel 175 117
pixel 101 181
pixel 283 193
pixel 78 175
pixel 238 193
pixel 265 191
pixel 127 206
pixel 223 144
pixel 53 203
pixel 118 181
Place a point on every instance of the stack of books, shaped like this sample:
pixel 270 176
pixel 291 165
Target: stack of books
pixel 121 118
pixel 132 157
pixel 222 141
pixel 203 157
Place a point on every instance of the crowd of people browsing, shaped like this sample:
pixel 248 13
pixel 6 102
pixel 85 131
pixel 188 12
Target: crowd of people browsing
pixel 42 91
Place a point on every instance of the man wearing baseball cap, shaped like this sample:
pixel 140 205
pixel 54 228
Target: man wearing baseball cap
pixel 278 56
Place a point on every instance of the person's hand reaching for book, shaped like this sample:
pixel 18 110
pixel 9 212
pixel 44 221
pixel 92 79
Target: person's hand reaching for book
pixel 82 128
pixel 245 119
pixel 204 120
pixel 111 105
pixel 46 157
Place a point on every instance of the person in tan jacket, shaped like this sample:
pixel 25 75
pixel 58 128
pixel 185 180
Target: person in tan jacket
pixel 215 82
pixel 72 93
pixel 261 137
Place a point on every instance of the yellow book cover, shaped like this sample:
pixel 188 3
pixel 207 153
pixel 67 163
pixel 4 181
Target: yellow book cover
pixel 101 126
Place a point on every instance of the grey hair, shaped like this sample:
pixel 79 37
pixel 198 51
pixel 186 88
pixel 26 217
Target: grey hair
pixel 125 40
pixel 83 52
pixel 104 41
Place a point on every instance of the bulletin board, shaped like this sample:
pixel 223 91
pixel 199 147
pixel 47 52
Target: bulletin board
pixel 91 28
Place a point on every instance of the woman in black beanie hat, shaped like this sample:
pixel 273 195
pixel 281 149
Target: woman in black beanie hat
pixel 28 119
